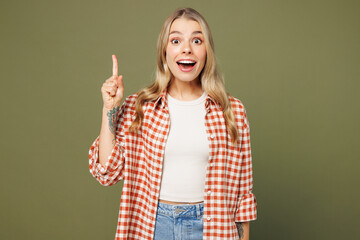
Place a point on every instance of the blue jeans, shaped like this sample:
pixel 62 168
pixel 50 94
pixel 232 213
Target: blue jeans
pixel 179 221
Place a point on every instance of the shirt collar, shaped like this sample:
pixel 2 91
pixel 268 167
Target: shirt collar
pixel 162 101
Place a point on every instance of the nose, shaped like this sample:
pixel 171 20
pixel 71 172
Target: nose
pixel 186 48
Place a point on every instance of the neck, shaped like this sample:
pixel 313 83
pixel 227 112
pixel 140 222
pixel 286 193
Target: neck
pixel 185 91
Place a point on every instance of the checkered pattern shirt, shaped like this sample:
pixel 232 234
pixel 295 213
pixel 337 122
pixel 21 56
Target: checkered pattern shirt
pixel 137 159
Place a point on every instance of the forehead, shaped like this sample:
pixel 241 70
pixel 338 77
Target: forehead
pixel 184 25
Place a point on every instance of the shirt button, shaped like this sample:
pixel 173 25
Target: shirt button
pixel 209 218
pixel 209 192
pixel 212 136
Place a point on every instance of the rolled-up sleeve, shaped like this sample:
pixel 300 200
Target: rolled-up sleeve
pixel 112 172
pixel 246 209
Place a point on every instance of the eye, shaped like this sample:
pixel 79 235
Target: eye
pixel 175 41
pixel 197 41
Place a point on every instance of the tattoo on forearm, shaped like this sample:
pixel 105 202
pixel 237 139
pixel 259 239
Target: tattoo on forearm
pixel 112 116
pixel 240 229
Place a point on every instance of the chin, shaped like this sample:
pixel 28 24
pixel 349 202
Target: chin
pixel 186 79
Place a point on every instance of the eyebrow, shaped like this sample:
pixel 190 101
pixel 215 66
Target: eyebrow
pixel 177 32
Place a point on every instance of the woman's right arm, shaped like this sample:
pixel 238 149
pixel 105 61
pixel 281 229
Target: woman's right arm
pixel 106 154
pixel 112 92
pixel 107 133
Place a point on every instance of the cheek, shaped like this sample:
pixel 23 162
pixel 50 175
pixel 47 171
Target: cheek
pixel 169 57
pixel 203 58
pixel 169 54
pixel 202 54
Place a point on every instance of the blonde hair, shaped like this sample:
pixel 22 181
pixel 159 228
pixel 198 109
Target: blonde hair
pixel 211 81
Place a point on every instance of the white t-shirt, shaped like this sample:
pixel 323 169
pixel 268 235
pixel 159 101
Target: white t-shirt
pixel 186 152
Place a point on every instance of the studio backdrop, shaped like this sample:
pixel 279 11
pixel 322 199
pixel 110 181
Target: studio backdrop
pixel 293 64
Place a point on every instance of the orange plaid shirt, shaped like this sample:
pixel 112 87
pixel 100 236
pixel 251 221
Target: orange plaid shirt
pixel 137 159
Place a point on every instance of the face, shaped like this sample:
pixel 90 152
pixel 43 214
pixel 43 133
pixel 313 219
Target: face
pixel 185 51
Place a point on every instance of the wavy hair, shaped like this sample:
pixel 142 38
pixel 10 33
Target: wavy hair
pixel 211 81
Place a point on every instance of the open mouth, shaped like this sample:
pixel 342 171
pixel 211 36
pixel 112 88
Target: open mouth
pixel 186 65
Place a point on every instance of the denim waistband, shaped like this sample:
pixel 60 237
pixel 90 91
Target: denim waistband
pixel 181 210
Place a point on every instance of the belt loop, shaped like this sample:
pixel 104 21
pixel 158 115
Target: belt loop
pixel 198 213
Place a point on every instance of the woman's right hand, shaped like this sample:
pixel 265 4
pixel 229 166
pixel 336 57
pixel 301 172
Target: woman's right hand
pixel 113 88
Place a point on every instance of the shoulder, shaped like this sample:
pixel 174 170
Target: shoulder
pixel 239 111
pixel 236 104
pixel 130 100
pixel 129 104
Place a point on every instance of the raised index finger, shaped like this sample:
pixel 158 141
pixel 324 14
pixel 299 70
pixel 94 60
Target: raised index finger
pixel 115 65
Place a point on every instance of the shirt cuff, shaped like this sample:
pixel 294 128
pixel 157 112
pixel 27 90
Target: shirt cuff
pixel 247 208
pixel 95 167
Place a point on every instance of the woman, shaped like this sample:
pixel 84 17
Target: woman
pixel 181 145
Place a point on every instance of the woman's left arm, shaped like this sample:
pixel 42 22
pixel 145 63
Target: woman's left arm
pixel 243 230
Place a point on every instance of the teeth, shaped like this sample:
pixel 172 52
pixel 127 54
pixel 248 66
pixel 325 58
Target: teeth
pixel 186 62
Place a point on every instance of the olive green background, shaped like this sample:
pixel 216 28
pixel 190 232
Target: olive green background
pixel 294 64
